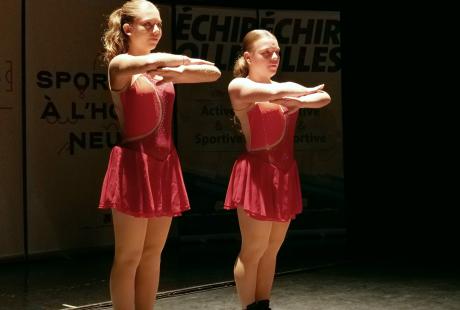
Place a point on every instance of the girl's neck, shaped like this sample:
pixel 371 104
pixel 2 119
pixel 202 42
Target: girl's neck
pixel 259 78
pixel 132 50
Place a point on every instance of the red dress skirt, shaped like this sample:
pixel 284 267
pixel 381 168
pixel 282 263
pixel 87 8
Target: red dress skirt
pixel 265 180
pixel 144 177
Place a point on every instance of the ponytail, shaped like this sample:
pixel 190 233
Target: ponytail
pixel 241 68
pixel 114 39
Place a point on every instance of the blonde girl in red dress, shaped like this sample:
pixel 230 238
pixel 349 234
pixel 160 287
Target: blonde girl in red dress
pixel 143 184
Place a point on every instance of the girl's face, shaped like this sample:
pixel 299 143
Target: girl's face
pixel 146 30
pixel 264 58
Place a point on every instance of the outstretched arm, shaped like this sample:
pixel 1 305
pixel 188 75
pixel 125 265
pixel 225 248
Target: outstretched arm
pixel 312 101
pixel 191 73
pixel 124 66
pixel 244 92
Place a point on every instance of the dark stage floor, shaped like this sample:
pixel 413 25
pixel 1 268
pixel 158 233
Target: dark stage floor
pixel 315 271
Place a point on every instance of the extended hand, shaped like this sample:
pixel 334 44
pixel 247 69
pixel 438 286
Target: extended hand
pixel 288 102
pixel 166 73
pixel 197 61
pixel 312 90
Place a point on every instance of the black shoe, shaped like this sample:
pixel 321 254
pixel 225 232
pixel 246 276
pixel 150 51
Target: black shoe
pixel 263 304
pixel 253 306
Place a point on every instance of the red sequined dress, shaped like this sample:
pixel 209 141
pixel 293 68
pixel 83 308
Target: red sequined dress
pixel 265 180
pixel 144 177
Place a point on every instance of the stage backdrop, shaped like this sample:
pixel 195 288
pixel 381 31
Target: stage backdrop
pixel 71 122
pixel 11 218
pixel 207 140
pixel 310 54
pixel 71 125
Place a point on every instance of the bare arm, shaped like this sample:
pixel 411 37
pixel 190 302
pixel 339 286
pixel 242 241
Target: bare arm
pixel 243 92
pixel 124 66
pixel 312 101
pixel 193 73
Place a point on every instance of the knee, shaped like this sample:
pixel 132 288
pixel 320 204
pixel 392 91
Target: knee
pixel 273 248
pixel 151 254
pixel 253 253
pixel 129 260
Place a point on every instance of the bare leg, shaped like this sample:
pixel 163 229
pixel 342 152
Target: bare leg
pixel 254 241
pixel 129 241
pixel 148 272
pixel 267 264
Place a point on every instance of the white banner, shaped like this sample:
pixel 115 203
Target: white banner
pixel 310 54
pixel 208 142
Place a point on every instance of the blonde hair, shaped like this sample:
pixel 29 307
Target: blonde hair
pixel 241 67
pixel 115 40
